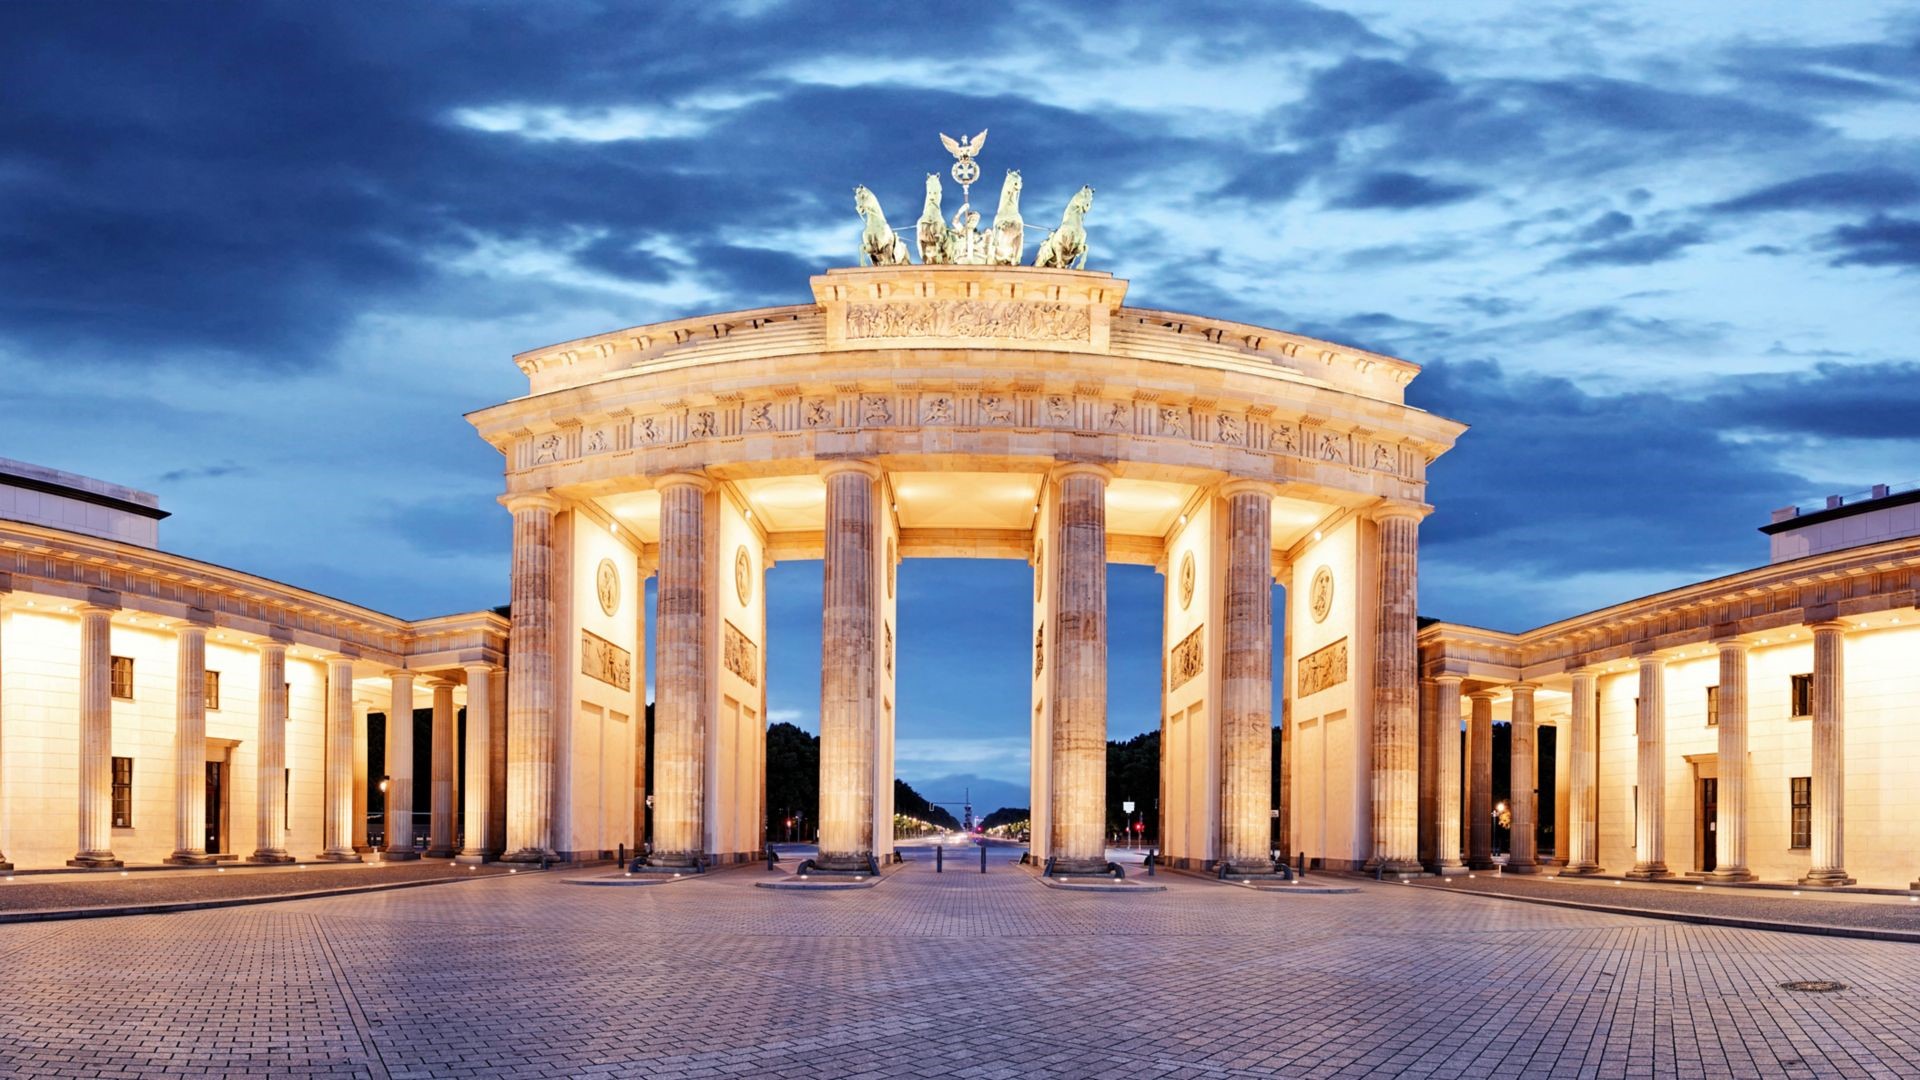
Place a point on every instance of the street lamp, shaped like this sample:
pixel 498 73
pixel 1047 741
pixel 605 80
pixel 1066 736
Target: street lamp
pixel 1127 809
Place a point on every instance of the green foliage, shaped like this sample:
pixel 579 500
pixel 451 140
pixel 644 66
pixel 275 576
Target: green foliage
pixel 1006 815
pixel 793 782
pixel 1133 773
pixel 911 803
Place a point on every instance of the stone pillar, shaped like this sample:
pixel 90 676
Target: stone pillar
pixel 1246 681
pixel 5 585
pixel 1730 830
pixel 1078 841
pixel 1396 695
pixel 849 699
pixel 681 671
pixel 399 810
pixel 337 820
pixel 1524 775
pixel 96 738
pixel 360 740
pixel 1446 840
pixel 440 817
pixel 190 742
pixel 270 785
pixel 1650 838
pixel 479 782
pixel 1829 756
pixel 530 705
pixel 1480 782
pixel 497 713
pixel 1584 847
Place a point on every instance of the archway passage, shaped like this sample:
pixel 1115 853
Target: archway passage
pixel 973 412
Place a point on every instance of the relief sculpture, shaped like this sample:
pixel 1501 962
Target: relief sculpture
pixel 602 659
pixel 1189 658
pixel 1323 668
pixel 1005 319
pixel 741 654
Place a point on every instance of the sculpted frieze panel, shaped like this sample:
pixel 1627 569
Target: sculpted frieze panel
pixel 741 655
pixel 1002 319
pixel 875 410
pixel 1323 668
pixel 602 659
pixel 1188 660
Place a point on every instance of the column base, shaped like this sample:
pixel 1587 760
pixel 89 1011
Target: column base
pixel 844 862
pixel 403 855
pixel 1582 870
pixel 364 849
pixel 440 853
pixel 1452 869
pixel 190 858
pixel 472 858
pixel 1403 866
pixel 270 856
pixel 1652 871
pixel 5 865
pixel 1827 879
pixel 95 860
pixel 1063 865
pixel 528 855
pixel 339 856
pixel 1482 862
pixel 1728 876
pixel 1522 868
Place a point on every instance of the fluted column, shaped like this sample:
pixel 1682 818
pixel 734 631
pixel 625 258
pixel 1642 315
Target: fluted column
pixel 1246 681
pixel 530 705
pixel 1480 782
pixel 440 809
pixel 681 670
pixel 1524 775
pixel 96 738
pixel 1829 756
pixel 849 702
pixel 1446 842
pixel 399 808
pixel 1730 828
pixel 336 823
pixel 1584 850
pixel 1396 697
pixel 1650 859
pixel 270 785
pixel 1079 682
pixel 5 584
pixel 190 742
pixel 478 786
pixel 497 755
pixel 360 739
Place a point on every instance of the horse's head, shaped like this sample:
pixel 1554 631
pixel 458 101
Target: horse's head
pixel 1011 189
pixel 933 185
pixel 863 200
pixel 1082 200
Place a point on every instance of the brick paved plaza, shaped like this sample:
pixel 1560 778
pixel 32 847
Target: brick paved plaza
pixel 959 974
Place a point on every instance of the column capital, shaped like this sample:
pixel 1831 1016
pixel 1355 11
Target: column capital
pixel 268 646
pixel 437 683
pixel 1835 626
pixel 396 674
pixel 92 608
pixel 334 659
pixel 517 501
pixel 1388 509
pixel 682 479
pixel 1731 645
pixel 1442 680
pixel 1081 468
pixel 1246 487
pixel 484 667
pixel 1484 695
pixel 835 466
pixel 1526 688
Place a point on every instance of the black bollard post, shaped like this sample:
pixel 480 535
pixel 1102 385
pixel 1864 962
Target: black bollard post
pixel 623 853
pixel 939 858
pixel 770 858
pixel 1151 860
pixel 1303 865
pixel 983 858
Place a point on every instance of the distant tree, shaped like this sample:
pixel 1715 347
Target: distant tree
pixel 910 803
pixel 1006 815
pixel 1133 773
pixel 793 782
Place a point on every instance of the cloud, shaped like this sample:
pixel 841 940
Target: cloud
pixel 1640 250
pixel 1401 191
pixel 1863 189
pixel 1835 400
pixel 1881 240
pixel 204 472
pixel 1360 92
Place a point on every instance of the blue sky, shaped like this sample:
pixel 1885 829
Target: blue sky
pixel 260 259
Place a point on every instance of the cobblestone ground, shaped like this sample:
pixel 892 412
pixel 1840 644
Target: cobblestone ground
pixel 111 889
pixel 960 974
pixel 1864 911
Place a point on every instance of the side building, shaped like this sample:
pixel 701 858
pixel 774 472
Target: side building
pixel 1759 726
pixel 155 708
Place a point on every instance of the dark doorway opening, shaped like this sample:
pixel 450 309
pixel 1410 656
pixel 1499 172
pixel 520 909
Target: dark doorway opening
pixel 216 802
pixel 1709 823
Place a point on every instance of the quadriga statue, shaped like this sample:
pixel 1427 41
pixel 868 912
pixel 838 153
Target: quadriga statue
pixel 1065 248
pixel 879 244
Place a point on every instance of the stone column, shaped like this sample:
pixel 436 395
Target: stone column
pixel 1584 847
pixel 399 809
pixel 1480 782
pixel 849 701
pixel 440 818
pixel 479 783
pixel 1829 756
pixel 360 740
pixel 1730 830
pixel 1650 838
pixel 1396 692
pixel 337 820
pixel 190 742
pixel 1524 775
pixel 497 713
pixel 1078 840
pixel 530 704
pixel 270 785
pixel 6 581
pixel 96 738
pixel 1246 681
pixel 681 671
pixel 1446 842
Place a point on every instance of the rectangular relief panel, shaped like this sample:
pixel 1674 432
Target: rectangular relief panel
pixel 1323 668
pixel 602 659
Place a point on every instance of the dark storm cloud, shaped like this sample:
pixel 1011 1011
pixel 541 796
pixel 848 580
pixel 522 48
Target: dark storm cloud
pixel 1881 240
pixel 1637 250
pixel 1401 191
pixel 1834 400
pixel 1360 92
pixel 1862 189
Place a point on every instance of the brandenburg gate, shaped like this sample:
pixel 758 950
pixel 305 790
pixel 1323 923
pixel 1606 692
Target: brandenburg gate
pixel 977 408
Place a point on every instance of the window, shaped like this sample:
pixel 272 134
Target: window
pixel 213 691
pixel 120 675
pixel 1802 695
pixel 123 793
pixel 1713 706
pixel 1802 812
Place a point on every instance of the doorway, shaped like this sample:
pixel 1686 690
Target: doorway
pixel 1709 818
pixel 216 806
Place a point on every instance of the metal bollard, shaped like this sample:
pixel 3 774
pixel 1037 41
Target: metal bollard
pixel 770 858
pixel 1303 865
pixel 939 858
pixel 983 858
pixel 1150 861
pixel 623 854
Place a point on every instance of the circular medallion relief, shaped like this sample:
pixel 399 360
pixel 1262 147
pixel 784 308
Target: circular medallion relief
pixel 606 583
pixel 892 563
pixel 1186 580
pixel 1039 569
pixel 743 574
pixel 1321 593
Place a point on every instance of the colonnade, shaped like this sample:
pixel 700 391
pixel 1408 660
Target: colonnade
pixel 1730 836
